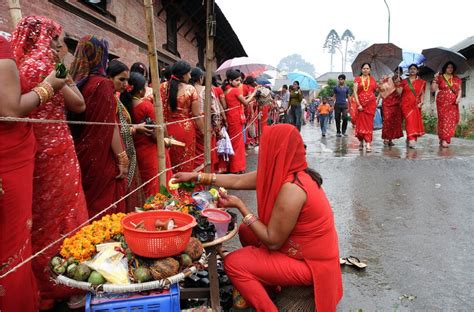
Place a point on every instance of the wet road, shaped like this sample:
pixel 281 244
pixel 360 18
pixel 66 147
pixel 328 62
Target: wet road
pixel 408 214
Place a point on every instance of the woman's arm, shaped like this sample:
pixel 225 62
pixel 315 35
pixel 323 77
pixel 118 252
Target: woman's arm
pixel 196 110
pixel 14 104
pixel 246 181
pixel 73 98
pixel 434 83
pixel 222 101
pixel 285 213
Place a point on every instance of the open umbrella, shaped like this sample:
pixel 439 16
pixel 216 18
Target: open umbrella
pixel 382 57
pixel 437 57
pixel 411 58
pixel 307 82
pixel 247 65
pixel 261 80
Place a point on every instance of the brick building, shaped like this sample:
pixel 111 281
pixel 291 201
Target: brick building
pixel 180 28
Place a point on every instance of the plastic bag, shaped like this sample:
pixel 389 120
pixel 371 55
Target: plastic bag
pixel 111 263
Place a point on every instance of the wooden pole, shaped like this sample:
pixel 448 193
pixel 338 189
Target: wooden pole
pixel 210 33
pixel 155 77
pixel 15 11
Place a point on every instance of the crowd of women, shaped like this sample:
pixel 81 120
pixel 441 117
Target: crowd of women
pixel 55 177
pixel 402 101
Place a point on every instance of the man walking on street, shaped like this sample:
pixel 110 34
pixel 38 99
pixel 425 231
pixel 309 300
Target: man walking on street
pixel 341 94
pixel 284 98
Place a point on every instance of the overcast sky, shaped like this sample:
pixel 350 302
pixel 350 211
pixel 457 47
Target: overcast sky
pixel 273 29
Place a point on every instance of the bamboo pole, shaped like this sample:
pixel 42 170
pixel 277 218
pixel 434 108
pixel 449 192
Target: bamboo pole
pixel 15 11
pixel 153 59
pixel 210 33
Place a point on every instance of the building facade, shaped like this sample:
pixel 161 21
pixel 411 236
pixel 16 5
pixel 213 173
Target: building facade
pixel 180 28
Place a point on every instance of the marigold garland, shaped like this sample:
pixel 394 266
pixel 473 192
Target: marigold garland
pixel 81 245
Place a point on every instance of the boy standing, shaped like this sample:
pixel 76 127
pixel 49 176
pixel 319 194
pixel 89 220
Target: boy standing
pixel 324 110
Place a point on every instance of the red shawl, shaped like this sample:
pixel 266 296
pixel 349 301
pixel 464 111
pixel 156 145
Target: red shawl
pixel 314 238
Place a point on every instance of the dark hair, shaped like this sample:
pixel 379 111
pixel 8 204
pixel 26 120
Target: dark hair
pixel 413 65
pixel 285 87
pixel 242 75
pixel 178 70
pixel 166 73
pixel 315 176
pixel 445 66
pixel 215 80
pixel 249 80
pixel 137 82
pixel 115 68
pixel 341 76
pixel 196 74
pixel 231 74
pixel 139 67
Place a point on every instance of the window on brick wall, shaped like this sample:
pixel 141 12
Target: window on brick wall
pixel 172 31
pixel 463 87
pixel 99 6
pixel 71 44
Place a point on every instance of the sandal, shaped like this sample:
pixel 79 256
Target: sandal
pixel 356 262
pixel 368 148
pixel 361 146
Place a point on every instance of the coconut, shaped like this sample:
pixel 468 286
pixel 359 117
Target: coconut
pixel 164 268
pixel 71 270
pixel 185 260
pixel 194 248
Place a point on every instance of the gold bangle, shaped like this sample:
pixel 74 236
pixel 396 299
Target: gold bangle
pixel 247 217
pixel 42 94
pixel 48 87
pixel 214 178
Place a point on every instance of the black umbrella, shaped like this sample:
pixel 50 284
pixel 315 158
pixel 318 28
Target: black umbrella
pixel 437 57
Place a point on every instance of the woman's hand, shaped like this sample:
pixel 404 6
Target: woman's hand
pixel 141 128
pixel 123 171
pixel 360 108
pixel 56 83
pixel 230 201
pixel 185 177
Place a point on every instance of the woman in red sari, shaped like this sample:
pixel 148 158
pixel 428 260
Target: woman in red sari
pixel 364 93
pixel 293 241
pixel 236 118
pixel 56 209
pixel 412 91
pixel 100 149
pixel 17 158
pixel 448 86
pixel 143 113
pixel 180 103
pixel 391 109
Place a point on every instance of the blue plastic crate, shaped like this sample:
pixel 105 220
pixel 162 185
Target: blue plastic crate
pixel 168 301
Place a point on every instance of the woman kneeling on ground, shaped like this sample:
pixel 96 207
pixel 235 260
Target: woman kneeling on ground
pixel 293 240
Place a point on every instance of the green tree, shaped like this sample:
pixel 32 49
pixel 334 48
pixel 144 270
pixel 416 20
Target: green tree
pixel 333 42
pixel 328 90
pixel 346 36
pixel 295 62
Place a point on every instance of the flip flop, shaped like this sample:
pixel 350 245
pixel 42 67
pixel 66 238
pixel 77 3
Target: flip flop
pixel 356 262
pixel 343 261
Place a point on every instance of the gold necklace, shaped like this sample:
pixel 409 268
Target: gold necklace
pixel 365 86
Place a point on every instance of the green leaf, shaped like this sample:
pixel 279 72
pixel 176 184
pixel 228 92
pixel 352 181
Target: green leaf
pixel 164 191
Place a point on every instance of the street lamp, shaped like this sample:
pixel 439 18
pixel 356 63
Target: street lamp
pixel 388 9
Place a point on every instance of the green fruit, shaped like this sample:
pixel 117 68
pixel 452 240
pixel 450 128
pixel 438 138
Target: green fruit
pixel 60 269
pixel 61 71
pixel 142 275
pixel 82 272
pixel 96 278
pixel 71 270
pixel 185 260
pixel 72 260
pixel 56 261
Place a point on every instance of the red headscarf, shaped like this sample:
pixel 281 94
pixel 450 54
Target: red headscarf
pixel 281 154
pixel 31 44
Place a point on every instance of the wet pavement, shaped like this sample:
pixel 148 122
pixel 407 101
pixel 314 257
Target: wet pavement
pixel 409 214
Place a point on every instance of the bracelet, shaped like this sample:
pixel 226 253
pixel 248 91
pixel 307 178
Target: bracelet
pixel 122 159
pixel 42 94
pixel 206 178
pixel 214 178
pixel 48 87
pixel 247 217
pixel 250 219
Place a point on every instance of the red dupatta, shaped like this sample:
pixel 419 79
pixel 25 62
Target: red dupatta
pixel 281 153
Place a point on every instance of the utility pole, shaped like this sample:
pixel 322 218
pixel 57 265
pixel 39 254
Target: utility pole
pixel 388 9
pixel 15 11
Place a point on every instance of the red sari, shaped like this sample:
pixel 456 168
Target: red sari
pixel 93 147
pixel 18 290
pixel 412 113
pixel 184 131
pixel 235 121
pixel 392 117
pixel 365 118
pixel 310 256
pixel 147 153
pixel 448 110
pixel 57 209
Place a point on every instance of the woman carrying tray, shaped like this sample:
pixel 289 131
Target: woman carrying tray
pixel 293 240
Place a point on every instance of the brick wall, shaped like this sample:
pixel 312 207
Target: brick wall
pixel 130 19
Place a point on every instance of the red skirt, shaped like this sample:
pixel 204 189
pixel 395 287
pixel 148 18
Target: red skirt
pixel 365 122
pixel 183 156
pixel 448 116
pixel 392 118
